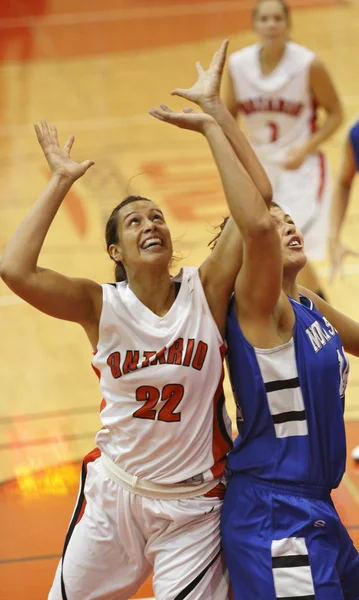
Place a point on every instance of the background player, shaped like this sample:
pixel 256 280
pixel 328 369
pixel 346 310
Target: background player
pixel 277 86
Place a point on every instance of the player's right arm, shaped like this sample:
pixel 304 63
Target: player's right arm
pixel 63 297
pixel 337 250
pixel 229 96
pixel 206 93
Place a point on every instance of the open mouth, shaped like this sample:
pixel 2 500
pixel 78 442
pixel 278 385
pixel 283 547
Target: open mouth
pixel 294 242
pixel 151 243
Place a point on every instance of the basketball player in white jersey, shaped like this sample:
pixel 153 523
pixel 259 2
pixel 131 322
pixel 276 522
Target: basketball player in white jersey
pixel 276 86
pixel 152 490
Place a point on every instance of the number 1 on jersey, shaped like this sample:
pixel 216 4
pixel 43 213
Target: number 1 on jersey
pixel 274 128
pixel 171 396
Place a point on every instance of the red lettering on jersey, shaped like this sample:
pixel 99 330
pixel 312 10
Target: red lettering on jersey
pixel 200 355
pixel 148 354
pixel 174 356
pixel 114 362
pixel 131 361
pixel 160 357
pixel 189 352
pixel 280 105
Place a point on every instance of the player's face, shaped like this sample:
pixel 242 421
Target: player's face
pixel 271 22
pixel 144 235
pixel 291 239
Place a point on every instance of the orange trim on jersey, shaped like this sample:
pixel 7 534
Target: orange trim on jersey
pixel 322 177
pixel 217 492
pixel 313 118
pixel 221 443
pixel 103 401
pixel 90 457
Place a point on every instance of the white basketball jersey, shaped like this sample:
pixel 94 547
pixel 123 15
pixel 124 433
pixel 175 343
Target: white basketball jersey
pixel 278 109
pixel 161 378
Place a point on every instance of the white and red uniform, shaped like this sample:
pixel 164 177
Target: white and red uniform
pixel 279 113
pixel 150 486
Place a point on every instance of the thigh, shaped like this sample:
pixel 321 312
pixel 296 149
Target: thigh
pixel 348 566
pixel 247 533
pixel 187 556
pixel 280 546
pixel 104 549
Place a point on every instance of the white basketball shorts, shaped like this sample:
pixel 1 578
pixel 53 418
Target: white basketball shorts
pixel 305 194
pixel 117 538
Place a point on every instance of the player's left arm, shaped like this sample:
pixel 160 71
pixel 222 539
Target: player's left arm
pixel 347 328
pixel 326 97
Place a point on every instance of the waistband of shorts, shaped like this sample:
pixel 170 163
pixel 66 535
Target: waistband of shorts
pixel 293 489
pixel 143 487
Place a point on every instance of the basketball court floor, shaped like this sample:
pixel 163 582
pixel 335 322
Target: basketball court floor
pixel 95 69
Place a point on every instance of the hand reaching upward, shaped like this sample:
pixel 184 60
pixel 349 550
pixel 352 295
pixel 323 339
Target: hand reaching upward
pixel 59 159
pixel 187 119
pixel 206 90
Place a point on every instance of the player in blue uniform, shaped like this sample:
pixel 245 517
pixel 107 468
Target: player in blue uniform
pixel 281 534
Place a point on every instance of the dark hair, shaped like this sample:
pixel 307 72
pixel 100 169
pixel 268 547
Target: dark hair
pixel 213 242
pixel 111 233
pixel 284 5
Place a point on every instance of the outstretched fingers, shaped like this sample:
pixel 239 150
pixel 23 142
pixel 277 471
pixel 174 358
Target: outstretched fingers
pixel 86 164
pixel 54 134
pixel 68 144
pixel 219 58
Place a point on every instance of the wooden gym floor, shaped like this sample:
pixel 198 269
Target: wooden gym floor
pixel 96 71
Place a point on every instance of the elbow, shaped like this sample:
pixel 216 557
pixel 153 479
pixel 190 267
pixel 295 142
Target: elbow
pixel 261 229
pixel 10 276
pixel 267 195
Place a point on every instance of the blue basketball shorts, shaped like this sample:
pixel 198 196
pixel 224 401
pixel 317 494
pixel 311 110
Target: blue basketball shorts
pixel 286 542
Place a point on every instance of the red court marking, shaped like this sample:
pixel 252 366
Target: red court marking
pixel 42 30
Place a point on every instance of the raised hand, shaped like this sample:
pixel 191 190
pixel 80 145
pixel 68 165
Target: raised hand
pixel 188 119
pixel 206 90
pixel 59 159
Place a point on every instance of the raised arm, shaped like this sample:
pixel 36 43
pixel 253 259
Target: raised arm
pixel 229 96
pixel 338 251
pixel 221 267
pixel 54 294
pixel 259 284
pixel 206 94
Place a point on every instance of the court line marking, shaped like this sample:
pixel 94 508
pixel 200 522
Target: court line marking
pixel 6 561
pixel 57 439
pixel 51 414
pixel 125 14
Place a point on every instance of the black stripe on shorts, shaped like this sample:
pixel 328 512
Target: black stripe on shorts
pixel 188 589
pixel 72 525
pixel 296 560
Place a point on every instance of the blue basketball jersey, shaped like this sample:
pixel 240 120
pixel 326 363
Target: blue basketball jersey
pixel 354 139
pixel 290 402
